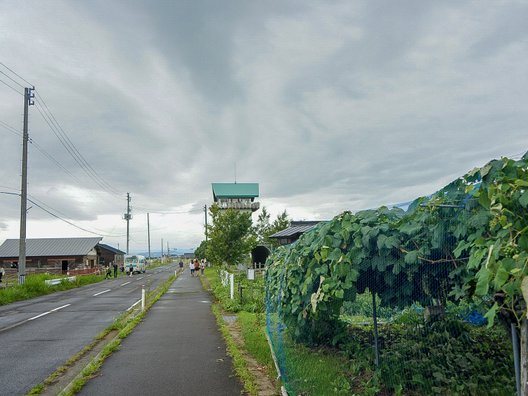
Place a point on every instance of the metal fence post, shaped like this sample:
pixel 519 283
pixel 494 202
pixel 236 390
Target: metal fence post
pixel 142 297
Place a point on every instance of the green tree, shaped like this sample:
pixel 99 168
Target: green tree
pixel 200 252
pixel 264 229
pixel 231 236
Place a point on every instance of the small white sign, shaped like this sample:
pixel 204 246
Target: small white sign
pixel 251 274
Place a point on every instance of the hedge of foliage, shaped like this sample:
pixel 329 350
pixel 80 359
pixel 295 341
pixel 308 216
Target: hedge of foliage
pixel 468 239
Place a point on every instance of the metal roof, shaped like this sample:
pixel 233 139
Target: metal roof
pixel 50 247
pixel 110 248
pixel 235 190
pixel 296 227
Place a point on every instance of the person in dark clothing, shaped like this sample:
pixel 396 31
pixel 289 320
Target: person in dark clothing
pixel 181 264
pixel 114 264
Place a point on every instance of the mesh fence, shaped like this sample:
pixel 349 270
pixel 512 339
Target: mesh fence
pixel 420 301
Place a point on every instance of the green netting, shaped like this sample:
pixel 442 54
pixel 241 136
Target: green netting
pixel 416 302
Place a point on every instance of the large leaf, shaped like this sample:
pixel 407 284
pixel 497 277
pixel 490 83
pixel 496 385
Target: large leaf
pixel 523 200
pixel 490 315
pixel 411 257
pixel 483 279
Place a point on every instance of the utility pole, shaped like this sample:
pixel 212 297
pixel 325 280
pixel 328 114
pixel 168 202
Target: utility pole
pixel 168 250
pixel 161 249
pixel 28 96
pixel 127 216
pixel 205 211
pixel 148 233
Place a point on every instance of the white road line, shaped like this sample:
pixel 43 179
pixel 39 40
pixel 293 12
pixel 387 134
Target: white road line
pixel 149 275
pixel 133 305
pixel 104 291
pixel 140 278
pixel 46 313
pixel 126 283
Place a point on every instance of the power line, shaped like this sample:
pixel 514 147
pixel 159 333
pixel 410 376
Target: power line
pixel 14 89
pixel 16 82
pixel 70 223
pixel 16 74
pixel 41 150
pixel 59 132
pixel 49 211
pixel 71 150
pixel 10 128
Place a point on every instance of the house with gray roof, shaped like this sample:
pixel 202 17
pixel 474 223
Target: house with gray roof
pixel 59 253
pixel 294 231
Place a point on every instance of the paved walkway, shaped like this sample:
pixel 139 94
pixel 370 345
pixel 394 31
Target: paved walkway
pixel 176 350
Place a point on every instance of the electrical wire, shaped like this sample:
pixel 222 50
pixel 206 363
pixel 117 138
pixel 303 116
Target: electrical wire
pixel 16 74
pixel 16 82
pixel 14 89
pixel 72 224
pixel 72 153
pixel 68 144
pixel 33 201
pixel 10 128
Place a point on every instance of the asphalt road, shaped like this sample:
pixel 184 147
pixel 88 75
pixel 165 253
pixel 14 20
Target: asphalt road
pixel 176 350
pixel 37 336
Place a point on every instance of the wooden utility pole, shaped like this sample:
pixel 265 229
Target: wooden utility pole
pixel 28 96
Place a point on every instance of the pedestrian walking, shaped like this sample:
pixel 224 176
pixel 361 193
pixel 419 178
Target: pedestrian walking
pixel 114 264
pixel 131 270
pixel 108 272
pixel 2 273
pixel 202 266
pixel 181 264
pixel 196 266
pixel 191 267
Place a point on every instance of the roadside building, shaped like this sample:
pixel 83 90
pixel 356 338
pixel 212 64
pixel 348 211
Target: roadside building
pixel 108 254
pixel 59 253
pixel 294 231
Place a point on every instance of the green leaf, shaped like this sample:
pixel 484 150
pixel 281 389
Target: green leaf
pixel 523 200
pixel 483 279
pixel 521 183
pixel 524 288
pixel 381 241
pixel 501 278
pixel 462 245
pixel 411 257
pixel 485 170
pixel 490 315
pixel 396 269
pixel 392 242
pixel 476 258
pixel 484 200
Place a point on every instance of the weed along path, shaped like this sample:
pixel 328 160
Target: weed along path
pixel 176 350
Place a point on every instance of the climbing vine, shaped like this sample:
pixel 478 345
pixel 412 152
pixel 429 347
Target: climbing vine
pixel 468 239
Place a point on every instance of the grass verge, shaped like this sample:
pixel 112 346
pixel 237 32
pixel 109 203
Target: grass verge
pixel 239 363
pixel 35 286
pixel 252 329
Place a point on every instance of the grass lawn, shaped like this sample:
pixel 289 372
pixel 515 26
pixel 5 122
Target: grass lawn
pixel 35 286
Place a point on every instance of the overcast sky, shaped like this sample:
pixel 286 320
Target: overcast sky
pixel 328 105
